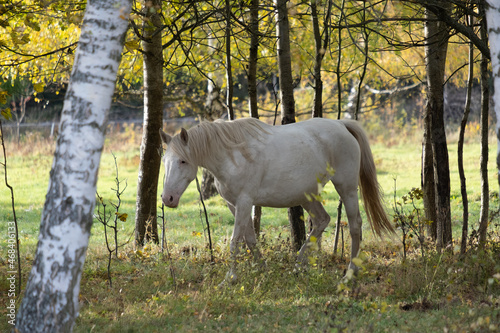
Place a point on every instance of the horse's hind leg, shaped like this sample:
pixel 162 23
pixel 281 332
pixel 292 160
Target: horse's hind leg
pixel 320 219
pixel 349 196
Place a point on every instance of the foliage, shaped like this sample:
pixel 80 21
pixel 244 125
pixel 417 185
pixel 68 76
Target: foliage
pixel 408 216
pixel 36 47
pixel 40 37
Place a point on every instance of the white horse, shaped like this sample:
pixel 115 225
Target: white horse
pixel 278 166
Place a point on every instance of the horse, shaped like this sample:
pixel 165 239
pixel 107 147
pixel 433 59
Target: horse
pixel 256 164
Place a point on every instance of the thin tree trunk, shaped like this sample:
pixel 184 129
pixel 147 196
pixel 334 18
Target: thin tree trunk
pixel 338 225
pixel 492 9
pixel 320 48
pixel 51 299
pixel 253 58
pixel 463 124
pixel 229 71
pixel 366 36
pixel 485 98
pixel 252 87
pixel 146 226
pixel 428 184
pixel 295 214
pixel 320 52
pixel 214 109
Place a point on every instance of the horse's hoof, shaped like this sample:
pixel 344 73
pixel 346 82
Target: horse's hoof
pixel 229 280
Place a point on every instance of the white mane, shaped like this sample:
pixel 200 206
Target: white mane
pixel 207 140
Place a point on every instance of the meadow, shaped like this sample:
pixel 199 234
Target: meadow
pixel 174 288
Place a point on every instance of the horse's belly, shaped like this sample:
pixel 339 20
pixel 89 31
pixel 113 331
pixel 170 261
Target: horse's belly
pixel 286 194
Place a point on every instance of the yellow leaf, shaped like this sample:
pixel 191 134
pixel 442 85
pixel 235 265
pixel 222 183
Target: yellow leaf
pixel 358 262
pixel 6 113
pixel 122 217
pixel 132 45
pixel 38 87
pixel 3 96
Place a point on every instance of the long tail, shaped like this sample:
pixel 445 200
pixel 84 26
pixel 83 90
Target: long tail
pixel 370 188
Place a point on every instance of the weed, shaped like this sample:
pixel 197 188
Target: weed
pixel 408 217
pixel 110 220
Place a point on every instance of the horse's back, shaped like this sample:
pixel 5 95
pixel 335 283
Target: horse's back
pixel 292 158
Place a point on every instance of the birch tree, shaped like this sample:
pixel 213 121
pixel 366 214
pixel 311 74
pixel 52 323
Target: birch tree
pixel 483 162
pixel 51 301
pixel 493 25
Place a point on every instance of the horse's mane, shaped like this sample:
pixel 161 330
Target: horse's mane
pixel 208 140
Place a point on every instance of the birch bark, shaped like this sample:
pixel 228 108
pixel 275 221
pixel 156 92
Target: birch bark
pixel 50 303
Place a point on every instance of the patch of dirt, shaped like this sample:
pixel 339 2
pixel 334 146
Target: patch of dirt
pixel 424 305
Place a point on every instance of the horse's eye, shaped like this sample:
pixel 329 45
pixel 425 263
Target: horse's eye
pixel 183 162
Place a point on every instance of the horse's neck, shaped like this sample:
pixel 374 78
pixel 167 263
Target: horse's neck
pixel 215 165
pixel 221 166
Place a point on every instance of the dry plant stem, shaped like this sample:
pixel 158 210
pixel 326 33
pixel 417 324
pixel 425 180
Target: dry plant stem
pixel 206 219
pixel 4 165
pixel 164 245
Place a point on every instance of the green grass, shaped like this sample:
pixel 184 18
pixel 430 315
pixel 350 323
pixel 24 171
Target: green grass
pixel 176 289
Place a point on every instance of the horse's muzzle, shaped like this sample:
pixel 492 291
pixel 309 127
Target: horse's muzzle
pixel 169 201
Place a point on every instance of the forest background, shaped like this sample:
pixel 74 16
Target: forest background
pixel 373 70
pixel 377 48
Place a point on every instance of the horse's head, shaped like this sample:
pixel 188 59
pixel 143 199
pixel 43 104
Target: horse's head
pixel 178 172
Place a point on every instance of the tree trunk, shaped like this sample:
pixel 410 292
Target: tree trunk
pixel 229 71
pixel 295 214
pixel 214 109
pixel 435 51
pixel 51 299
pixel 253 58
pixel 338 224
pixel 428 184
pixel 252 87
pixel 146 227
pixel 320 52
pixel 485 98
pixel 493 25
pixel 461 171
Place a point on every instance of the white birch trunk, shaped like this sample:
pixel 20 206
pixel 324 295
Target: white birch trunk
pixel 50 303
pixel 493 21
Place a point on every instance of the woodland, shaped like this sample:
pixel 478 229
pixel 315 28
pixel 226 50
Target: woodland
pixel 86 237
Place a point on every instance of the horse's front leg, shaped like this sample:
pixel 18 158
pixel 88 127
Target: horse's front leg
pixel 251 240
pixel 242 219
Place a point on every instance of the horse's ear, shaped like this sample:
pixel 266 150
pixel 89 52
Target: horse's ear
pixel 184 136
pixel 165 137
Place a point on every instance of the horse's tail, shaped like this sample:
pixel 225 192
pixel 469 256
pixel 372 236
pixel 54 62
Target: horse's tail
pixel 370 188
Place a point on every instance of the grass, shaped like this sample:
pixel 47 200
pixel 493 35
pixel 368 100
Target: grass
pixel 155 290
